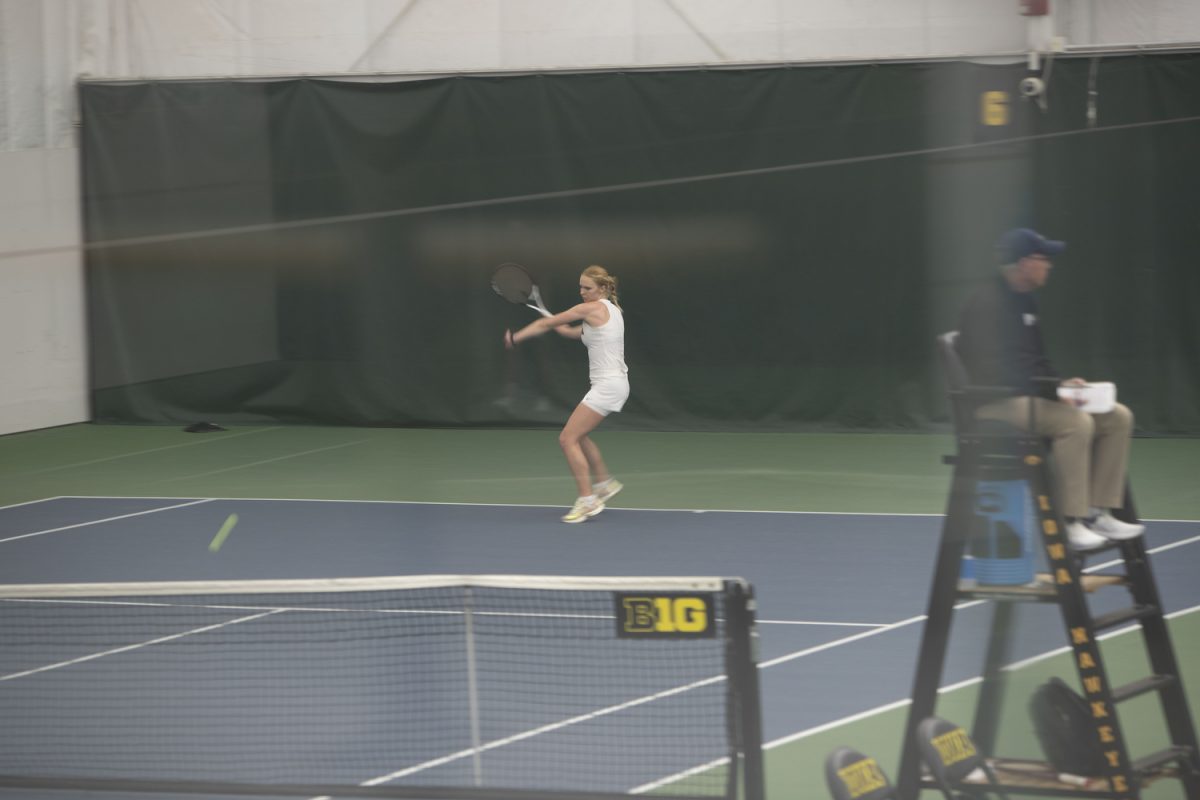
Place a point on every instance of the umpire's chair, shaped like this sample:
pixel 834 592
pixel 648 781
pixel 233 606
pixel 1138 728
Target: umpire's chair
pixel 966 398
pixel 950 757
pixel 955 372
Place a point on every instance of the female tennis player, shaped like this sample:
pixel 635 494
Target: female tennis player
pixel 603 332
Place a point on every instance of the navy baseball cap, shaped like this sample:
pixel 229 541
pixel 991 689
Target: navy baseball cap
pixel 1021 242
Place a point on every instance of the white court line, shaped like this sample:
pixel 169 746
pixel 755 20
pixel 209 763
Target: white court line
pixel 631 476
pixel 553 726
pixel 264 461
pixel 1102 637
pixel 137 646
pixel 808 651
pixel 832 624
pixel 944 689
pixel 839 642
pixel 696 770
pixel 510 505
pixel 33 502
pixel 548 505
pixel 144 452
pixel 1159 549
pixel 106 519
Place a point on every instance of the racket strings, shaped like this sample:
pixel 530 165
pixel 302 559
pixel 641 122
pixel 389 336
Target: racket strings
pixel 512 283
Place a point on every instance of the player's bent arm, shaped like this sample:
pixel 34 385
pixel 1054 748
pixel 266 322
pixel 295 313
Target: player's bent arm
pixel 570 331
pixel 545 324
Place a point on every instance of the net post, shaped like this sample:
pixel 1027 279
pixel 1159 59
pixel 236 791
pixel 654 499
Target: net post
pixel 472 685
pixel 742 653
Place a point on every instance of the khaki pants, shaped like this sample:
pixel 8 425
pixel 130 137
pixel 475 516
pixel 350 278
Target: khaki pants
pixel 1091 451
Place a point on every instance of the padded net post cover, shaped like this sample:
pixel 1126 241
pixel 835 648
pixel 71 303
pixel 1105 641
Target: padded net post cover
pixel 459 686
pixel 947 750
pixel 850 775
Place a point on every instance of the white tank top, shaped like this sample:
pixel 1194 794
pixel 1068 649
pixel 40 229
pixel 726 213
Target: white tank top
pixel 606 345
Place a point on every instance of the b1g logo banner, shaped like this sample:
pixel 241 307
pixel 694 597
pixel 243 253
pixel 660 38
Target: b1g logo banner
pixel 665 616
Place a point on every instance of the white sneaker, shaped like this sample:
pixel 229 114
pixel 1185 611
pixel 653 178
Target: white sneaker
pixel 1084 538
pixel 583 509
pixel 606 490
pixel 1107 525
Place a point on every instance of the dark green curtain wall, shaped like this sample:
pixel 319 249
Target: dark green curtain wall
pixel 788 240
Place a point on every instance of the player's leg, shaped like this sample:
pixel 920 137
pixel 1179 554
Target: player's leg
pixel 597 467
pixel 583 420
pixel 604 485
pixel 606 396
pixel 595 461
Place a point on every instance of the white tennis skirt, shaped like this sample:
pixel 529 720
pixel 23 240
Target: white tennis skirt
pixel 607 395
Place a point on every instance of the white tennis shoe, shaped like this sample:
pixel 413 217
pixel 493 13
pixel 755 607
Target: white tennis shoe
pixel 1109 526
pixel 1084 538
pixel 607 489
pixel 584 507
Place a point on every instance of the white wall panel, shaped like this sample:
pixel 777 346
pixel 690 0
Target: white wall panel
pixel 43 359
pixel 430 36
pixel 566 33
pixel 41 328
pixel 1134 22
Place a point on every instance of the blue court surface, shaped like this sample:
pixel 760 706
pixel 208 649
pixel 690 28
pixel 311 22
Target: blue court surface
pixel 840 596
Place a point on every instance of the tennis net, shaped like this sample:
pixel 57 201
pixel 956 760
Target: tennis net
pixel 423 686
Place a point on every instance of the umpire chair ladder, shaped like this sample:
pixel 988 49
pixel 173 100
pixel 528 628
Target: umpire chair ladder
pixel 981 448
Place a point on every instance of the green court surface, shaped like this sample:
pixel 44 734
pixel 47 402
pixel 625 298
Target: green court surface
pixel 898 473
pixel 841 472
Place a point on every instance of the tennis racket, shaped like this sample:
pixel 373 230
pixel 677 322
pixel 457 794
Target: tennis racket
pixel 515 285
pixel 1041 771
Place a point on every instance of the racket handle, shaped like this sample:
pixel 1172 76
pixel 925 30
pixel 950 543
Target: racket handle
pixel 540 310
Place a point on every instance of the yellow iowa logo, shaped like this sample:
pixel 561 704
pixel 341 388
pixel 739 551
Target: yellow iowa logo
pixel 862 777
pixel 954 746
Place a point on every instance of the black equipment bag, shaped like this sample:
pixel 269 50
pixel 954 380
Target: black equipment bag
pixel 1064 727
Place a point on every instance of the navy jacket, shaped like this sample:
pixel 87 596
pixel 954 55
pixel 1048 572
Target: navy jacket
pixel 1000 342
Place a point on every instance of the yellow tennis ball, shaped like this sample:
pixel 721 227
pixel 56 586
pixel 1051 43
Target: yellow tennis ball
pixel 223 534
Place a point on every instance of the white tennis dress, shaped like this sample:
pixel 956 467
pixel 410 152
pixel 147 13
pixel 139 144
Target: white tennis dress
pixel 606 363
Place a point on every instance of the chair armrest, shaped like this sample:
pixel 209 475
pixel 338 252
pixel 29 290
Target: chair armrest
pixel 990 391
